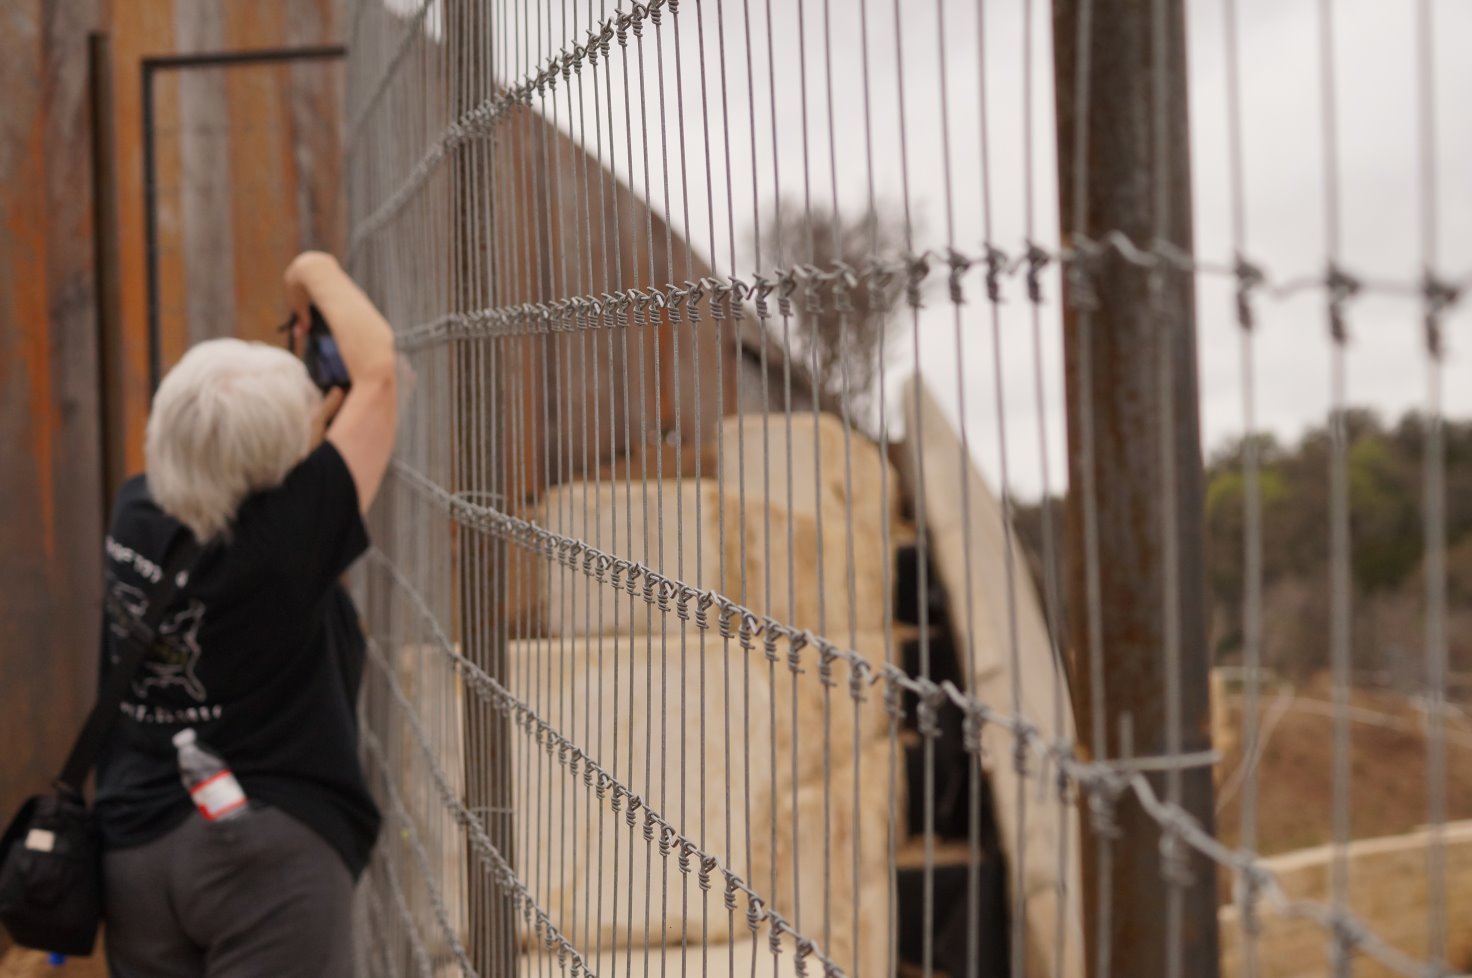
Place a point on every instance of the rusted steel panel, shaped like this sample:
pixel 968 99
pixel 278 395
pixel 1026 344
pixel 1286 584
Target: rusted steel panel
pixel 27 726
pixel 262 198
pixel 553 199
pixel 50 519
pixel 70 275
pixel 141 27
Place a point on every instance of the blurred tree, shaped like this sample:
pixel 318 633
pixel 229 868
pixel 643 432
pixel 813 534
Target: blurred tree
pixel 841 327
pixel 1386 467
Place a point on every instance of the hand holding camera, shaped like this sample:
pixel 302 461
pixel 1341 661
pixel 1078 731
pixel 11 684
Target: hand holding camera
pixel 308 333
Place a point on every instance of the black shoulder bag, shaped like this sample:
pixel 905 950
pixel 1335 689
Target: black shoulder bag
pixel 50 855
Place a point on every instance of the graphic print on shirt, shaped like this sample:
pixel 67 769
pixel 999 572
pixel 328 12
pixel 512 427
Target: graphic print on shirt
pixel 174 658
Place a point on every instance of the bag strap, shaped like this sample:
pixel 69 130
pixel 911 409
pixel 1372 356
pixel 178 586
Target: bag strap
pixel 137 644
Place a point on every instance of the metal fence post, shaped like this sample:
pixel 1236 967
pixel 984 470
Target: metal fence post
pixel 1135 537
pixel 481 563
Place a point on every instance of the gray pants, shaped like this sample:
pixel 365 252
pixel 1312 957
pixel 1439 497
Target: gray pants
pixel 258 895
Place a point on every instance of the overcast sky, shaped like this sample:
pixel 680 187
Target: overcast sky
pixel 1374 51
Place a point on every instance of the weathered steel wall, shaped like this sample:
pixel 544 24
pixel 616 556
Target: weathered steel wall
pixel 51 495
pixel 50 513
pixel 156 27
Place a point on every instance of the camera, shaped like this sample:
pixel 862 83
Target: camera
pixel 324 363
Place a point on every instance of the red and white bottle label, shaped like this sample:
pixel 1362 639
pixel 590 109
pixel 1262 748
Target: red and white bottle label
pixel 218 796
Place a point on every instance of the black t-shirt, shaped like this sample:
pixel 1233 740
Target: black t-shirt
pixel 261 653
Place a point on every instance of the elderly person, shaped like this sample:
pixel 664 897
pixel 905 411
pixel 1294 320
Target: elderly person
pixel 260 653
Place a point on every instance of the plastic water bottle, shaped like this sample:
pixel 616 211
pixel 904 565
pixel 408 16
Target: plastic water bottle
pixel 215 792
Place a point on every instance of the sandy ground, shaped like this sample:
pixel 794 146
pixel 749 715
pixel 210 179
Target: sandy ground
pixel 1388 788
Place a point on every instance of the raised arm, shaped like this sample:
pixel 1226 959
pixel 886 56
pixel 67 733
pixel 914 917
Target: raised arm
pixel 363 430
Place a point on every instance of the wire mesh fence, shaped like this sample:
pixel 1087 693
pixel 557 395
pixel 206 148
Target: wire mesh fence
pixel 708 632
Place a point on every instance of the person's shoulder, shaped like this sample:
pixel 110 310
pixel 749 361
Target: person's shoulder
pixel 133 491
pixel 324 461
pixel 133 504
pixel 323 471
pixel 320 479
pixel 138 534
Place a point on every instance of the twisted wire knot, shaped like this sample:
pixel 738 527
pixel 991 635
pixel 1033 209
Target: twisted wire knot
pixel 1023 737
pixel 665 589
pixel 682 602
pixel 673 300
pixel 812 296
pixel 1249 277
pixel 843 281
pixel 648 825
pixel 795 645
pixel 1175 863
pixel 1342 287
pixel 917 269
pixel 894 695
pixel 786 285
pixel 761 288
pixel 730 892
pixel 1037 260
pixel 755 912
pixel 694 292
pixel 826 656
pixel 927 710
pixel 707 866
pixel 804 949
pixel 1082 266
pixel 971 729
pixel 769 646
pixel 1252 881
pixel 634 803
pixel 724 626
pixel 702 609
pixel 1349 935
pixel 996 264
pixel 859 679
pixel 1102 808
pixel 1438 297
pixel 876 287
pixel 749 629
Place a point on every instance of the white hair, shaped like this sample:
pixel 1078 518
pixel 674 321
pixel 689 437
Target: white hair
pixel 230 419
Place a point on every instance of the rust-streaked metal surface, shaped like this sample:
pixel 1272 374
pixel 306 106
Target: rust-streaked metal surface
pixel 1122 390
pixel 50 520
pixel 161 27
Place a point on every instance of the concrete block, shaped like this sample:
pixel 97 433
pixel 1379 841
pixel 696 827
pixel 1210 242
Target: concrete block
pixel 762 556
pixel 739 787
pixel 830 469
pixel 1388 890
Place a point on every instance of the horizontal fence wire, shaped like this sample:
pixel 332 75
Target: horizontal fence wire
pixel 699 639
